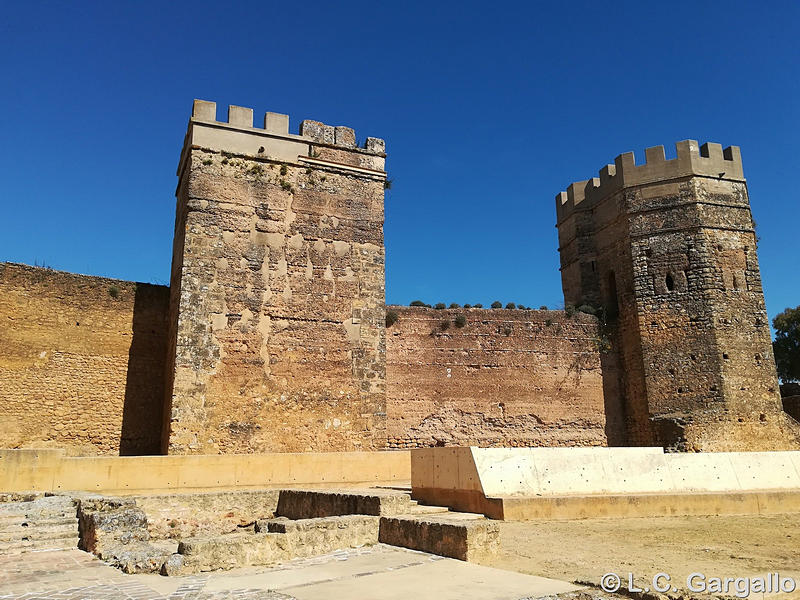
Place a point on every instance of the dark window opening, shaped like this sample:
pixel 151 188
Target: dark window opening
pixel 612 302
pixel 670 282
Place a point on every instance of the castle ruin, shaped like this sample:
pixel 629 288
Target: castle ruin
pixel 271 336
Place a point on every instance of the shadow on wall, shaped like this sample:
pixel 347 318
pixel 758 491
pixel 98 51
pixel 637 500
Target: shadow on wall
pixel 613 402
pixel 144 385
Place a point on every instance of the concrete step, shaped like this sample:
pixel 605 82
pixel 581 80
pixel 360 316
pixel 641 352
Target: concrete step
pixel 46 523
pixel 23 520
pixel 421 509
pixel 21 546
pixel 340 523
pixel 454 535
pixel 310 504
pixel 39 531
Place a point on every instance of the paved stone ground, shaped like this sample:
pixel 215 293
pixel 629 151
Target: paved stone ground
pixel 377 572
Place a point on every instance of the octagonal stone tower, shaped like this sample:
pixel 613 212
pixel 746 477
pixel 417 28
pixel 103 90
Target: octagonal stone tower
pixel 669 249
pixel 277 289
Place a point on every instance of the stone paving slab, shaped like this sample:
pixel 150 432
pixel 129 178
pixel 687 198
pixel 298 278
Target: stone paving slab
pixel 378 572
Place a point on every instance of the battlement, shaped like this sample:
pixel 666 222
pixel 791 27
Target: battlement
pixel 278 124
pixel 708 160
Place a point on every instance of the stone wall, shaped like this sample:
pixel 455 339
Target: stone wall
pixel 669 249
pixel 277 307
pixel 506 378
pixel 82 362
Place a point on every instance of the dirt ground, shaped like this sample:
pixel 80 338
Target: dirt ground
pixel 724 546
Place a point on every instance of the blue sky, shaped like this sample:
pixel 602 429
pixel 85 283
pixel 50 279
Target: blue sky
pixel 488 111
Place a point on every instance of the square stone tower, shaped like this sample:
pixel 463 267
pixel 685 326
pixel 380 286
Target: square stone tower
pixel 668 248
pixel 277 289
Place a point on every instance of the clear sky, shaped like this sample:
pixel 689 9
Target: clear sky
pixel 488 110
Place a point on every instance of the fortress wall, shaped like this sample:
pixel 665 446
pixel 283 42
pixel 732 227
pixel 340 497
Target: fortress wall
pixel 79 368
pixel 277 289
pixel 507 378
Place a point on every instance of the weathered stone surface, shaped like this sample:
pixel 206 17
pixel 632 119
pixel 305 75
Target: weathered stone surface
pixel 106 522
pixel 177 516
pixel 470 540
pixel 81 362
pixel 310 504
pixel 506 378
pixel 173 566
pixel 115 530
pixel 275 541
pixel 668 248
pixel 277 311
pixel 135 557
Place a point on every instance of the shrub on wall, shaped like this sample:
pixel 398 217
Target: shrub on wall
pixel 391 318
pixel 497 304
pixel 460 321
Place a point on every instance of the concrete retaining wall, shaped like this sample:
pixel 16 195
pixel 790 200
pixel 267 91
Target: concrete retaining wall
pixel 51 470
pixel 501 482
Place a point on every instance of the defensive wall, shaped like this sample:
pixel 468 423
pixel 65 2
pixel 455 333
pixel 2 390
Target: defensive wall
pixel 271 336
pixel 498 377
pixel 277 289
pixel 668 249
pixel 81 361
pixel 87 355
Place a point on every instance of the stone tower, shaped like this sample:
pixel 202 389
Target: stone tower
pixel 669 249
pixel 277 288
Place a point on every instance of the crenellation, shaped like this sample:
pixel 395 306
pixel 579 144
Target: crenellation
pixel 664 248
pixel 276 123
pixel 204 110
pixel 274 334
pixel 240 116
pixel 708 160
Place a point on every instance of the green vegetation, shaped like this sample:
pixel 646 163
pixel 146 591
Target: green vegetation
pixel 439 306
pixel 284 170
pixel 113 291
pixel 468 306
pixel 570 310
pixel 387 184
pixel 477 305
pixel 444 325
pixel 543 307
pixel 787 344
pixel 460 321
pixel 454 305
pixel 208 161
pixel 511 305
pixel 497 304
pixel 286 186
pixel 391 318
